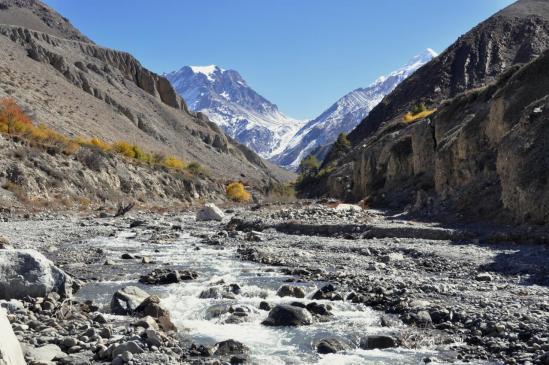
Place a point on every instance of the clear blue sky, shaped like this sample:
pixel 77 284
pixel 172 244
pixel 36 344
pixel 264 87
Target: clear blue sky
pixel 300 54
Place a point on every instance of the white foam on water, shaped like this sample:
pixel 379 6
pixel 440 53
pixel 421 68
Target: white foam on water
pixel 268 345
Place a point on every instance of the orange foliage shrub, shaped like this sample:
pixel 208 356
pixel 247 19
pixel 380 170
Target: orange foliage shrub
pixel 124 148
pixel 172 162
pixel 237 192
pixel 103 146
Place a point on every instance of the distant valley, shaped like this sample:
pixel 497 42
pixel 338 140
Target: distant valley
pixel 226 98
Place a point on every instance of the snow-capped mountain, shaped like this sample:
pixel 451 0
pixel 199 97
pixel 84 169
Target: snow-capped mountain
pixel 345 114
pixel 228 101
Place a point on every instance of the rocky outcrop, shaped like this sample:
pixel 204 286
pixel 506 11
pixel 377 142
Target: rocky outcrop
pixel 10 348
pixel 41 48
pixel 483 153
pixel 28 273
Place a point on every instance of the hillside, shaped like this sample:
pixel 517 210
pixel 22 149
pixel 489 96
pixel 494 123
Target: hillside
pixel 226 98
pixel 453 160
pixel 517 34
pixel 78 88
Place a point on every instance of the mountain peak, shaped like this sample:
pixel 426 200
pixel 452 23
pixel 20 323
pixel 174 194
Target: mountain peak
pixel 422 57
pixel 413 64
pixel 208 71
pixel 231 103
pixel 431 52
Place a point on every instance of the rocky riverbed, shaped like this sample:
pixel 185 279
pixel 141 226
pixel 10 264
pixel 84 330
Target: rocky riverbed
pixel 304 283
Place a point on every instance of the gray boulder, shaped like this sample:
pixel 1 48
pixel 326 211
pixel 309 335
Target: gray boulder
pixel 230 347
pixel 45 354
pixel 130 346
pixel 126 300
pixel 10 349
pixel 210 212
pixel 288 315
pixel 332 345
pixel 290 291
pixel 29 273
pixel 377 342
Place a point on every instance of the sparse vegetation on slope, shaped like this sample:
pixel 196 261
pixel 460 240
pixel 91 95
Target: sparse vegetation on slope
pixel 16 124
pixel 418 112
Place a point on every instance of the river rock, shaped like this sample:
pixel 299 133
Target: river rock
pixel 290 291
pixel 126 300
pixel 348 208
pixel 44 353
pixel 167 276
pixel 212 293
pixel 153 338
pixel 230 347
pixel 331 345
pixel 151 307
pixel 130 346
pixel 318 309
pixel 29 273
pixel 10 348
pixel 217 310
pixel 327 292
pixel 147 322
pixel 4 244
pixel 288 315
pixel 377 342
pixel 210 212
pixel 483 277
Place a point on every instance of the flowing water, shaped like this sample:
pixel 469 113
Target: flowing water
pixel 268 345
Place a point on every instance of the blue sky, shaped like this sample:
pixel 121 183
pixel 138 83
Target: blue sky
pixel 300 54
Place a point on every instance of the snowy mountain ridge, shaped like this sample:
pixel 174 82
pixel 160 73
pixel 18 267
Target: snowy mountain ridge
pixel 345 114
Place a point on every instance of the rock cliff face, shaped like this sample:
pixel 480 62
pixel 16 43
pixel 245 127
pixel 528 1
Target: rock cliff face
pixel 81 89
pixel 483 153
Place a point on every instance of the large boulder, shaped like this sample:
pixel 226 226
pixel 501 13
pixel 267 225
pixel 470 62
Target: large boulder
pixel 288 315
pixel 126 300
pixel 210 212
pixel 10 349
pixel 29 273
